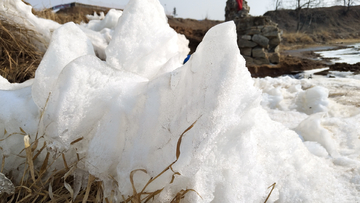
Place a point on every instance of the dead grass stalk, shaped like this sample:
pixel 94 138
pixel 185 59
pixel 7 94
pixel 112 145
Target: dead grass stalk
pixel 19 57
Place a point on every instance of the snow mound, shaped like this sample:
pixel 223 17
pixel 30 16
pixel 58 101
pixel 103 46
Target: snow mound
pixel 147 42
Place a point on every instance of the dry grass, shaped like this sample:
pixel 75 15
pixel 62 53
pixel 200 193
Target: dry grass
pixel 42 185
pixel 19 57
pixel 297 38
pixel 76 17
pixel 144 196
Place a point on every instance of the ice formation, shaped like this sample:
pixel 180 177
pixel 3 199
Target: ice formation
pixel 98 23
pixel 129 112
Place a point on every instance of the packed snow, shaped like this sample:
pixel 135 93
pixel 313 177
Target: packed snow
pixel 116 94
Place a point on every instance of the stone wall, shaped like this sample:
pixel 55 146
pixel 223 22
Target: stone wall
pixel 258 37
pixel 258 40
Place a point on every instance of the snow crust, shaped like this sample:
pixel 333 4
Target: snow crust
pixel 124 93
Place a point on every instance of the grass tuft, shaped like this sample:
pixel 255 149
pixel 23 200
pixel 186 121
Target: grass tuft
pixel 138 197
pixel 19 57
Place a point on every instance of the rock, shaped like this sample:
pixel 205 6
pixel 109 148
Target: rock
pixel 246 37
pixel 274 58
pixel 268 29
pixel 260 61
pixel 246 43
pixel 253 31
pixel 261 40
pixel 232 12
pixel 257 36
pixel 277 49
pixel 259 53
pixel 275 41
pixel 248 60
pixel 271 34
pixel 246 51
pixel 244 24
pixel 258 21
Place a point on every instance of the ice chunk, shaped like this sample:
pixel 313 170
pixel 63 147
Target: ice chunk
pixel 272 98
pixel 6 186
pixel 312 130
pixel 96 16
pixel 17 110
pixel 83 94
pixel 143 42
pixel 313 100
pixel 98 41
pixel 316 149
pixel 67 44
pixel 110 20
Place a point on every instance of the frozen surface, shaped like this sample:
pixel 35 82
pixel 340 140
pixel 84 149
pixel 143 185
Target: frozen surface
pixel 128 113
pixel 349 55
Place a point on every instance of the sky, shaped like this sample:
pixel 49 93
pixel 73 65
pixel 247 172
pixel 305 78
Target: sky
pixel 195 9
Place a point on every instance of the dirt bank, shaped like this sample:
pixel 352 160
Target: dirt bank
pixel 320 24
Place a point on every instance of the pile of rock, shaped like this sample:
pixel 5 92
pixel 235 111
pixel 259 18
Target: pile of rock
pixel 258 37
pixel 258 40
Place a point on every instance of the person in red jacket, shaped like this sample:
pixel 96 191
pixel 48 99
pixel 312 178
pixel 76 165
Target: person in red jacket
pixel 240 3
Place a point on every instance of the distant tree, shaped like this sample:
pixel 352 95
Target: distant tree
pixel 300 5
pixel 278 4
pixel 347 4
pixel 174 12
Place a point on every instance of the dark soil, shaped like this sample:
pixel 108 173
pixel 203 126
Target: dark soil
pixel 342 67
pixel 194 30
pixel 288 65
pixel 345 67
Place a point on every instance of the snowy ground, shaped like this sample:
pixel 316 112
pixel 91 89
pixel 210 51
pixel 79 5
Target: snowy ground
pixel 120 87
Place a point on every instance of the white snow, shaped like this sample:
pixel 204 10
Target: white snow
pixel 130 108
pixel 349 55
pixel 98 23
